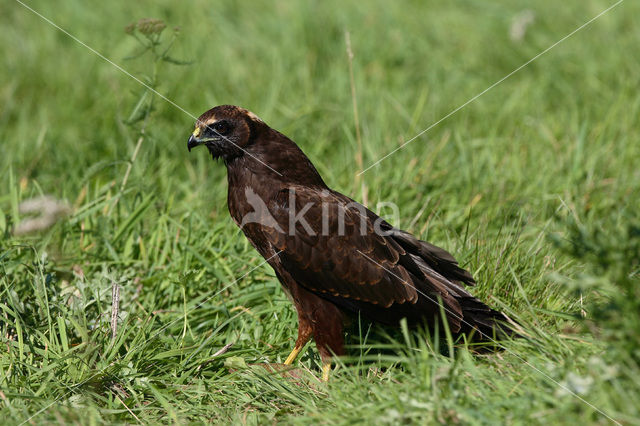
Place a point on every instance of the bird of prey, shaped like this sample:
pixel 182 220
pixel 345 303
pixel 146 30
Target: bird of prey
pixel 334 257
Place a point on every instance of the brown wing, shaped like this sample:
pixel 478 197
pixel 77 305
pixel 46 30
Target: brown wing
pixel 347 254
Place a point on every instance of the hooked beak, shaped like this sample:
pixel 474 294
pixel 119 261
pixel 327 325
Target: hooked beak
pixel 193 142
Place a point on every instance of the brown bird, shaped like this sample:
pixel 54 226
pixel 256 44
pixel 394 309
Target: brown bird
pixel 334 257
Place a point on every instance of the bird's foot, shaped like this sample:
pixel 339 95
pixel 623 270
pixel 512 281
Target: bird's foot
pixel 293 355
pixel 326 369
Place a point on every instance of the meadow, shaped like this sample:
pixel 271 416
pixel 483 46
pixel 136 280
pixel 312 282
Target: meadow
pixel 534 186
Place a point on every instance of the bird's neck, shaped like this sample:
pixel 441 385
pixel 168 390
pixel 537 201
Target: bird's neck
pixel 248 181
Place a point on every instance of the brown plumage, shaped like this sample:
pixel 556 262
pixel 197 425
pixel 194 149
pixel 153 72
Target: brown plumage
pixel 342 258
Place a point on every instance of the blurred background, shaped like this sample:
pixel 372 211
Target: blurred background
pixel 534 186
pixel 414 62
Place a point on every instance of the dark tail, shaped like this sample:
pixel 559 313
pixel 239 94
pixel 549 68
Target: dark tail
pixel 483 322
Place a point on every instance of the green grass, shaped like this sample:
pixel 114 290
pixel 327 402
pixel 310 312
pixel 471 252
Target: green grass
pixel 535 187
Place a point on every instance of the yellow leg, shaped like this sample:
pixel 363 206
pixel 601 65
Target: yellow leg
pixel 326 369
pixel 293 355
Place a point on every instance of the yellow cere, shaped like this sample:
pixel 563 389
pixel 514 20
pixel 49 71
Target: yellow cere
pixel 196 132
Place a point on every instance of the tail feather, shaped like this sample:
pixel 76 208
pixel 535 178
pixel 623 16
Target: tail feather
pixel 437 272
pixel 487 323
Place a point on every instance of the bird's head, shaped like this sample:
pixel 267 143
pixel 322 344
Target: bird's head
pixel 235 134
pixel 226 130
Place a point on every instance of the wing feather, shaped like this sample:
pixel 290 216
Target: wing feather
pixel 334 251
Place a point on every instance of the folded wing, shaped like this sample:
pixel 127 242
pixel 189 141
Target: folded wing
pixel 342 251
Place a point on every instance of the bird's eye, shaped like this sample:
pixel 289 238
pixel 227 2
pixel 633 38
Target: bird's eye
pixel 221 127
